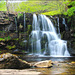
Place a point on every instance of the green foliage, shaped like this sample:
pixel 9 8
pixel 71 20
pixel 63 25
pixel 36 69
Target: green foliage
pixel 22 44
pixel 72 3
pixel 10 47
pixel 3 6
pixel 16 39
pixel 71 11
pixel 41 7
pixel 20 14
pixel 0 51
pixel 23 51
pixel 29 26
pixel 1 39
pixel 5 39
pixel 52 12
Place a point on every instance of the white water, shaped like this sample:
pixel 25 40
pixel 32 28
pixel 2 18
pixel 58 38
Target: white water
pixel 59 35
pixel 24 22
pixel 63 22
pixel 42 27
pixel 16 23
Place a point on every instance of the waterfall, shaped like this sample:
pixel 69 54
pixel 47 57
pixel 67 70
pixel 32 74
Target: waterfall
pixel 58 28
pixel 44 34
pixel 35 36
pixel 63 22
pixel 16 23
pixel 24 22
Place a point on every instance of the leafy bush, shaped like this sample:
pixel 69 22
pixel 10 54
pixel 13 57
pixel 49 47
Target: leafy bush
pixel 72 3
pixel 71 11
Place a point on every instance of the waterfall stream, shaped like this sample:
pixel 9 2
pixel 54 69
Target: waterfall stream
pixel 63 22
pixel 16 23
pixel 24 22
pixel 58 28
pixel 44 39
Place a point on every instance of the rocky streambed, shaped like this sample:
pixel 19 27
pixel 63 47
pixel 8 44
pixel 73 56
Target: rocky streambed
pixel 11 65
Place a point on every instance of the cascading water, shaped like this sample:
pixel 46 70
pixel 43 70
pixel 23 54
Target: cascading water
pixel 45 40
pixel 35 37
pixel 24 22
pixel 58 28
pixel 16 23
pixel 63 22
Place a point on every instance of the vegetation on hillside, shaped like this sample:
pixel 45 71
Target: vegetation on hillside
pixel 36 6
pixel 44 7
pixel 71 9
pixel 3 6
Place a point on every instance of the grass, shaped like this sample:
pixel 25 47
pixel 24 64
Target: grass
pixel 45 7
pixel 52 12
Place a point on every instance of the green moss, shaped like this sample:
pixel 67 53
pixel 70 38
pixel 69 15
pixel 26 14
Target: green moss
pixel 29 29
pixel 20 14
pixel 0 51
pixel 16 39
pixel 5 39
pixel 22 44
pixel 10 47
pixel 1 39
pixel 29 26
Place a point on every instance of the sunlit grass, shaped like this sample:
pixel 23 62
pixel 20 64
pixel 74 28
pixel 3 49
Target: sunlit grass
pixel 56 12
pixel 50 7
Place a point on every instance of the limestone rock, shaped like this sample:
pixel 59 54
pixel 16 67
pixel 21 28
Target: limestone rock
pixel 44 64
pixel 10 61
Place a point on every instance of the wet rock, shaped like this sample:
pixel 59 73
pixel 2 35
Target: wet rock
pixel 10 61
pixel 67 35
pixel 44 64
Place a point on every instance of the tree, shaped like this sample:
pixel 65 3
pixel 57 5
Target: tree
pixel 7 6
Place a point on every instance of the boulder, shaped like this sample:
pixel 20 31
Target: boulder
pixel 10 61
pixel 44 64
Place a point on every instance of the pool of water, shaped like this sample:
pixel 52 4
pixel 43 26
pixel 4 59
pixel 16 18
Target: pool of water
pixel 31 58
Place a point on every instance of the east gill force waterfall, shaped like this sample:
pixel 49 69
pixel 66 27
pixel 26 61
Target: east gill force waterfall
pixel 44 38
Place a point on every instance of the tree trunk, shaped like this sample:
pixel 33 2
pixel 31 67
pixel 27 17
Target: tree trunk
pixel 7 6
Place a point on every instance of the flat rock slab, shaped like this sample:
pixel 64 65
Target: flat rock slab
pixel 18 72
pixel 44 64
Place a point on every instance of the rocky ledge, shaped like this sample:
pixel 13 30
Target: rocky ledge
pixel 10 61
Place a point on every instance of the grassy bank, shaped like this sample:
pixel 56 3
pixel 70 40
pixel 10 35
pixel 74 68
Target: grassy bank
pixel 45 7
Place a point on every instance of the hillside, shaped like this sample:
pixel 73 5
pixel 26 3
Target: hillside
pixel 46 7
